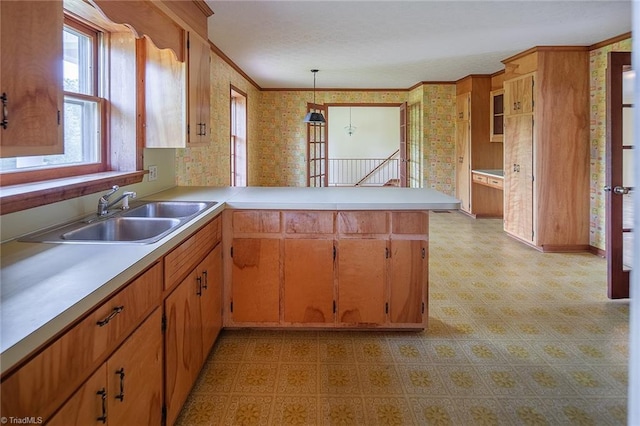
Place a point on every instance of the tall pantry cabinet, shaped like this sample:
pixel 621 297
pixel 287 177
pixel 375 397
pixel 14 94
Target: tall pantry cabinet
pixel 474 150
pixel 546 148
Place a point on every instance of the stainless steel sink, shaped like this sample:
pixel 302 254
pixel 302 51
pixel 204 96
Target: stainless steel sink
pixel 142 224
pixel 172 209
pixel 123 229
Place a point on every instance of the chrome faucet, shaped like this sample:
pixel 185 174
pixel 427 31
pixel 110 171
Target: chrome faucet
pixel 104 204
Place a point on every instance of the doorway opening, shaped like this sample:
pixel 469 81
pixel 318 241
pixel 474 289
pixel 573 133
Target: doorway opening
pixel 369 145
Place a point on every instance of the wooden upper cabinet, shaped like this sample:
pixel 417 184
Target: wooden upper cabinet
pixel 462 107
pixel 31 77
pixel 199 128
pixel 496 114
pixel 165 109
pixel 519 99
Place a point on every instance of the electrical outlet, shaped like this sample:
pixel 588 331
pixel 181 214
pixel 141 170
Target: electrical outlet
pixel 153 173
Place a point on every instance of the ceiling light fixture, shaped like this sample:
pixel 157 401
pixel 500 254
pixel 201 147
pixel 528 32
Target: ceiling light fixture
pixel 314 117
pixel 350 129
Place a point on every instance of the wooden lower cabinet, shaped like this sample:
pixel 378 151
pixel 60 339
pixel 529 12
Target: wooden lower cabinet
pixel 518 177
pixel 210 271
pixel 408 281
pixel 362 281
pixel 308 281
pixel 125 390
pixel 255 295
pixel 193 318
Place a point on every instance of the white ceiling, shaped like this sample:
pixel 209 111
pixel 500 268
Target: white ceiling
pixel 397 44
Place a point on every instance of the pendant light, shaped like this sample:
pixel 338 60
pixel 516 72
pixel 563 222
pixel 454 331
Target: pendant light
pixel 350 129
pixel 314 117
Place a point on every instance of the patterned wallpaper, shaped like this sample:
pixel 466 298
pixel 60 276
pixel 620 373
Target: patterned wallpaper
pixel 277 135
pixel 598 66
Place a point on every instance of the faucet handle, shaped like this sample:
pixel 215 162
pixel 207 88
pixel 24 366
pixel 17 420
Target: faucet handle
pixel 113 189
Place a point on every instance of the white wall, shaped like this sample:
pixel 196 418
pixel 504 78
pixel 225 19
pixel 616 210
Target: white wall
pixel 26 221
pixel 377 134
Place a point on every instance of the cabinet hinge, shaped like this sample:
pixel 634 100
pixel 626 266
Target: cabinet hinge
pixel 424 252
pixel 386 308
pixel 232 251
pixel 386 252
pixel 423 307
pixel 188 129
pixel 334 252
pixel 164 414
pixel 231 307
pixel 59 117
pixel 334 306
pixel 163 325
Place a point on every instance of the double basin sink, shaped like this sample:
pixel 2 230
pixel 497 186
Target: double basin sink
pixel 142 224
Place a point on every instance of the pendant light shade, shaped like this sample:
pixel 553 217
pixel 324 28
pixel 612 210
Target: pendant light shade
pixel 314 117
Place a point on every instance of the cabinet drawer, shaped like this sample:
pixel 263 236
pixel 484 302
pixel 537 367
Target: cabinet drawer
pixel 187 255
pixel 495 182
pixel 410 222
pixel 370 222
pixel 256 221
pixel 41 385
pixel 479 178
pixel 308 222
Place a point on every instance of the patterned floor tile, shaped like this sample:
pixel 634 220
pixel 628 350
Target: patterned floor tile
pixel 514 336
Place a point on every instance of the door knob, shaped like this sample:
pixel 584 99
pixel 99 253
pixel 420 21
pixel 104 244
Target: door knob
pixel 607 188
pixel 620 190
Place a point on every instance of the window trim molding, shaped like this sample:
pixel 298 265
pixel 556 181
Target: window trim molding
pixel 16 198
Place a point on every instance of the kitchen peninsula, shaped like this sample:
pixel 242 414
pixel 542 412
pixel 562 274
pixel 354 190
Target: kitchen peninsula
pixel 273 257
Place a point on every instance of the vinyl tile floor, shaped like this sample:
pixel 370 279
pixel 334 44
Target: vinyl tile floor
pixel 514 337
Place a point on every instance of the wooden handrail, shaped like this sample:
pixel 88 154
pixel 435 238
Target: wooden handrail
pixel 378 167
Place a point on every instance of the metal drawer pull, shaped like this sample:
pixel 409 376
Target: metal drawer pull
pixel 5 111
pixel 120 373
pixel 199 290
pixel 113 313
pixel 206 280
pixel 103 394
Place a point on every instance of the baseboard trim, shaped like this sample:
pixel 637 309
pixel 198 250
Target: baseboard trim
pixel 598 251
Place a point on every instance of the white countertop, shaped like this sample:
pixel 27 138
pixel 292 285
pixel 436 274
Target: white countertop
pixel 45 287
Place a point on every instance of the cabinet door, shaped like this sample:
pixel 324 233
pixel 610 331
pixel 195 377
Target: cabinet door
pixel 463 172
pixel 86 406
pixel 210 272
pixel 519 95
pixel 256 280
pixel 183 343
pixel 31 77
pixel 162 69
pixel 462 106
pixel 408 281
pixel 308 281
pixel 134 376
pixel 361 281
pixel 199 89
pixel 518 176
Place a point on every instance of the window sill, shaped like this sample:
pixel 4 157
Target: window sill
pixel 16 198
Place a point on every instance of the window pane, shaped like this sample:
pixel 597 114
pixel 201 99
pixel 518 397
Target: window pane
pixel 78 62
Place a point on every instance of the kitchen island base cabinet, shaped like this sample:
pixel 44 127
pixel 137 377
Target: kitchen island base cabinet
pixel 125 390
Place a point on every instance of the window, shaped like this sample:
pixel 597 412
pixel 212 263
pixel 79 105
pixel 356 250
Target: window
pixel 82 113
pixel 238 143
